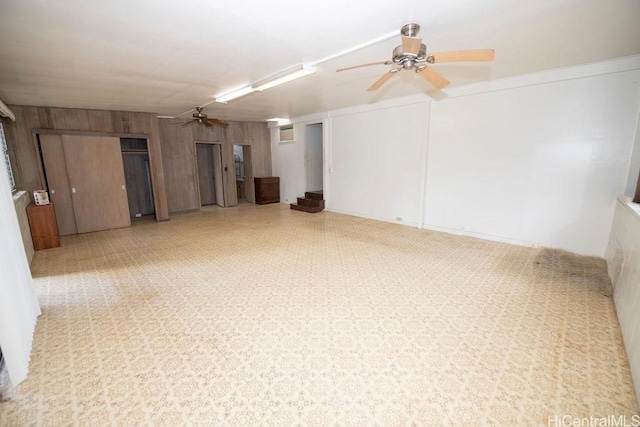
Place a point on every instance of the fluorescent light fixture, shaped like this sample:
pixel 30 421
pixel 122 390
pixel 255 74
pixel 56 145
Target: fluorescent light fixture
pixel 277 121
pixel 236 94
pixel 296 74
pixel 304 71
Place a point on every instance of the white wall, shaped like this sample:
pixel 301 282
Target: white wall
pixel 289 158
pixel 375 163
pixel 288 163
pixel 623 261
pixel 541 164
pixel 534 160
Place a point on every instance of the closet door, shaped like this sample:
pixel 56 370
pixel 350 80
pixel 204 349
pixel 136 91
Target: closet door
pixel 58 182
pixel 96 178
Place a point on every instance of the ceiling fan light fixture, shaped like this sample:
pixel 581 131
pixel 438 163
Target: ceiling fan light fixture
pixel 296 74
pixel 235 94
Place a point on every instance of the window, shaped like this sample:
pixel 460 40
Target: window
pixel 5 156
pixel 286 133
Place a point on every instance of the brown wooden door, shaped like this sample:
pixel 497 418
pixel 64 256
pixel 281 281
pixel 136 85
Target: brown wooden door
pixel 96 177
pixel 58 181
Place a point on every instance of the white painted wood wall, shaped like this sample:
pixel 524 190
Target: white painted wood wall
pixel 533 160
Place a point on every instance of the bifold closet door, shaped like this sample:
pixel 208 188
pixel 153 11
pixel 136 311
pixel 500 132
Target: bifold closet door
pixel 59 189
pixel 96 178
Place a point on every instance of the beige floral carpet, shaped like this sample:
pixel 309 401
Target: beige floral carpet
pixel 259 315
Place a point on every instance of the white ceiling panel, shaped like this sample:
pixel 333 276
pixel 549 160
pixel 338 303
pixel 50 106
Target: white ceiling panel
pixel 167 57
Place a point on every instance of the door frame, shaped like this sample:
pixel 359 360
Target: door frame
pixel 148 174
pixel 322 155
pixel 250 196
pixel 197 175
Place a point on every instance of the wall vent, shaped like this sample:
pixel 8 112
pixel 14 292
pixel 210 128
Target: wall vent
pixel 286 133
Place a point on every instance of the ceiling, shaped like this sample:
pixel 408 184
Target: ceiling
pixel 166 56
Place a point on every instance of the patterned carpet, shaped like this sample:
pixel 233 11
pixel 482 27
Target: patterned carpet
pixel 263 315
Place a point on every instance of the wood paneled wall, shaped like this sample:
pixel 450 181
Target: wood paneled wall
pixel 171 149
pixel 26 161
pixel 178 152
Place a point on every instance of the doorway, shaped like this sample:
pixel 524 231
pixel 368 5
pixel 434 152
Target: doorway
pixel 244 173
pixel 210 176
pixel 137 173
pixel 314 157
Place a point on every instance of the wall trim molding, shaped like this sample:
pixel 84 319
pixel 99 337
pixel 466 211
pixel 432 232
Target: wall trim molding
pixel 373 217
pixel 491 237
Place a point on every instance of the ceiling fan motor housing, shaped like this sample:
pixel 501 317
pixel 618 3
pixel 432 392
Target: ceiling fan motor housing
pixel 408 61
pixel 410 30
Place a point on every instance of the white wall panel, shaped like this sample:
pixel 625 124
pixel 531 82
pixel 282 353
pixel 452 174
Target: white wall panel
pixel 288 164
pixel 376 162
pixel 541 164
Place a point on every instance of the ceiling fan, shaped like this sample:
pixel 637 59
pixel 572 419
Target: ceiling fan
pixel 412 55
pixel 200 117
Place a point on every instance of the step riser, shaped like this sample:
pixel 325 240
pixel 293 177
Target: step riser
pixel 314 195
pixel 309 209
pixel 310 202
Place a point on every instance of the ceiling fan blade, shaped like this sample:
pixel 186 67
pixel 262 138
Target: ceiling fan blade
pixel 218 122
pixel 190 122
pixel 382 80
pixel 411 45
pixel 479 55
pixel 206 123
pixel 363 65
pixel 434 78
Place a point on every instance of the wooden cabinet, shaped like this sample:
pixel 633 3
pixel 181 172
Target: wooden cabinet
pixel 44 228
pixel 267 190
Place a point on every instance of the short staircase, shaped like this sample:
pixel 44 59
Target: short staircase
pixel 312 202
